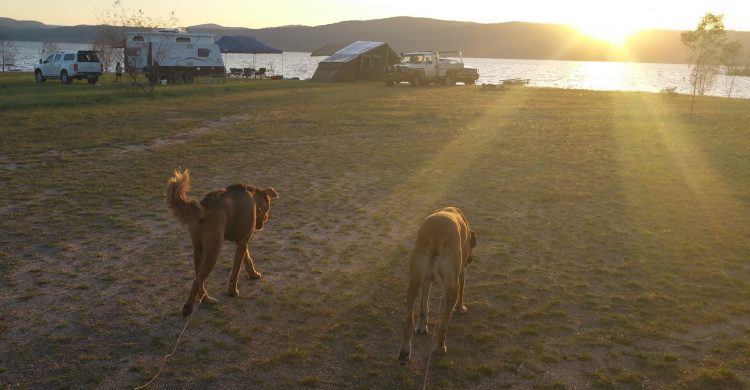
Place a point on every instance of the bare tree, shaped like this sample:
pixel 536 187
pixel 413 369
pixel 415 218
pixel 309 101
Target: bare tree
pixel 114 24
pixel 48 48
pixel 7 51
pixel 107 53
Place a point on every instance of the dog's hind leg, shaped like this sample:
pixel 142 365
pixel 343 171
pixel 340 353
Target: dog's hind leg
pixel 197 259
pixel 252 273
pixel 424 304
pixel 239 255
pixel 460 307
pixel 211 244
pixel 450 297
pixel 411 297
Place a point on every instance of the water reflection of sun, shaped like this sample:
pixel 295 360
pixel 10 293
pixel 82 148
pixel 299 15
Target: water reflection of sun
pixel 606 76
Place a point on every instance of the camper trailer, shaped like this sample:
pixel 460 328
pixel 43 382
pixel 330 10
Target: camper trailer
pixel 172 55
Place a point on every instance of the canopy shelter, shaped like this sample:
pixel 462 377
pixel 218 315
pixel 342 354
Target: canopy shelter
pixel 360 60
pixel 247 45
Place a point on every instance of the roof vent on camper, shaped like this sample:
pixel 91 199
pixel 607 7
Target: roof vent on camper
pixel 173 30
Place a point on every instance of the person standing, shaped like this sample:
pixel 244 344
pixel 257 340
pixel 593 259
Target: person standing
pixel 118 72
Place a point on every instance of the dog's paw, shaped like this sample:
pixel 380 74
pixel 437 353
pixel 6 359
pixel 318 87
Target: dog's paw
pixel 208 299
pixel 461 309
pixel 404 356
pixel 233 292
pixel 441 349
pixel 421 329
pixel 253 275
pixel 187 310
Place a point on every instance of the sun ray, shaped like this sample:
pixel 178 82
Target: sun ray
pixel 663 169
pixel 438 175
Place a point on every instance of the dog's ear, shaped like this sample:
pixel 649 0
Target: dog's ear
pixel 472 240
pixel 271 193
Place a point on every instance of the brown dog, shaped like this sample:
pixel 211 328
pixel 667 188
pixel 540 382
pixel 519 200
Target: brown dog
pixel 444 245
pixel 232 213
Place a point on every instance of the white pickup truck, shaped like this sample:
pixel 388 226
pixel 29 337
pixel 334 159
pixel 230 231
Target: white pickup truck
pixel 67 66
pixel 424 67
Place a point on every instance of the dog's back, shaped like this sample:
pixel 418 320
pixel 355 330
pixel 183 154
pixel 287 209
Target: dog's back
pixel 440 234
pixel 436 234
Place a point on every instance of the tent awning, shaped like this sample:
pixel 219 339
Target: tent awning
pixel 328 49
pixel 352 51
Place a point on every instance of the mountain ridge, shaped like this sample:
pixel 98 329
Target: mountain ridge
pixel 511 40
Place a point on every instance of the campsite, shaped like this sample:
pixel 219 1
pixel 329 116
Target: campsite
pixel 612 236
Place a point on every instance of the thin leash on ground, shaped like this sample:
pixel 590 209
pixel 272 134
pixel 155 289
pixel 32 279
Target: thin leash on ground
pixel 434 344
pixel 164 359
pixel 429 357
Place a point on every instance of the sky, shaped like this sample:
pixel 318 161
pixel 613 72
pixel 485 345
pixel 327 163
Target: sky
pixel 600 17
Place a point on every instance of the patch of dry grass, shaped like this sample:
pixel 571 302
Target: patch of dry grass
pixel 613 236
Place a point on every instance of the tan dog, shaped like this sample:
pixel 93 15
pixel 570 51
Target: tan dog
pixel 232 213
pixel 444 245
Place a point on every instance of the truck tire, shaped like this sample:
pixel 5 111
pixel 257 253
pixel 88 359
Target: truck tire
pixel 39 77
pixel 64 78
pixel 176 78
pixel 416 81
pixel 188 78
pixel 449 80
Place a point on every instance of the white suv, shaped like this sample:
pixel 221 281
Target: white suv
pixel 67 66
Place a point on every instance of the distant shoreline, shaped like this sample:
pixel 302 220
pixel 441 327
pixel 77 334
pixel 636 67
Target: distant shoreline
pixel 511 40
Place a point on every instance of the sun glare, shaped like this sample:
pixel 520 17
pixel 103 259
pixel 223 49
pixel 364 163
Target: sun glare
pixel 611 33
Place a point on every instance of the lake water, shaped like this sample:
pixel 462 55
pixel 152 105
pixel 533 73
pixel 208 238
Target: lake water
pixel 606 76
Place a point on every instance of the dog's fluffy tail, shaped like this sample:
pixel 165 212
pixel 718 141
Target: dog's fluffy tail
pixel 186 210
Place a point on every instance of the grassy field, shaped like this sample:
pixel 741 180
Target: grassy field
pixel 613 236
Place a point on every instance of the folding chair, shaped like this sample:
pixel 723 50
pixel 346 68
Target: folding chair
pixel 235 72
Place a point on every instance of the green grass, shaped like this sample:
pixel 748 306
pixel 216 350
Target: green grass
pixel 612 235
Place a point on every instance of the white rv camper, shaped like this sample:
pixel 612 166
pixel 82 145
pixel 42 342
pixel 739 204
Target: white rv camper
pixel 172 55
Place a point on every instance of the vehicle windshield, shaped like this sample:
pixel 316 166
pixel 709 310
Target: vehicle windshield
pixel 87 57
pixel 412 59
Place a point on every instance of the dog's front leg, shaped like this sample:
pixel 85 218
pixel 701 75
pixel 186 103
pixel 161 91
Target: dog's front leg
pixel 252 273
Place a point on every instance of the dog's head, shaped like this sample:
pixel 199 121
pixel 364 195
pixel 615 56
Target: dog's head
pixel 472 245
pixel 263 205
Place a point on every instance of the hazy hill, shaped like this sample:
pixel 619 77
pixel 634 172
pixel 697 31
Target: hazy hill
pixel 8 23
pixel 498 40
pixel 73 34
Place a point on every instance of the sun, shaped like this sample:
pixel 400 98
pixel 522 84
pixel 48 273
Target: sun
pixel 613 33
